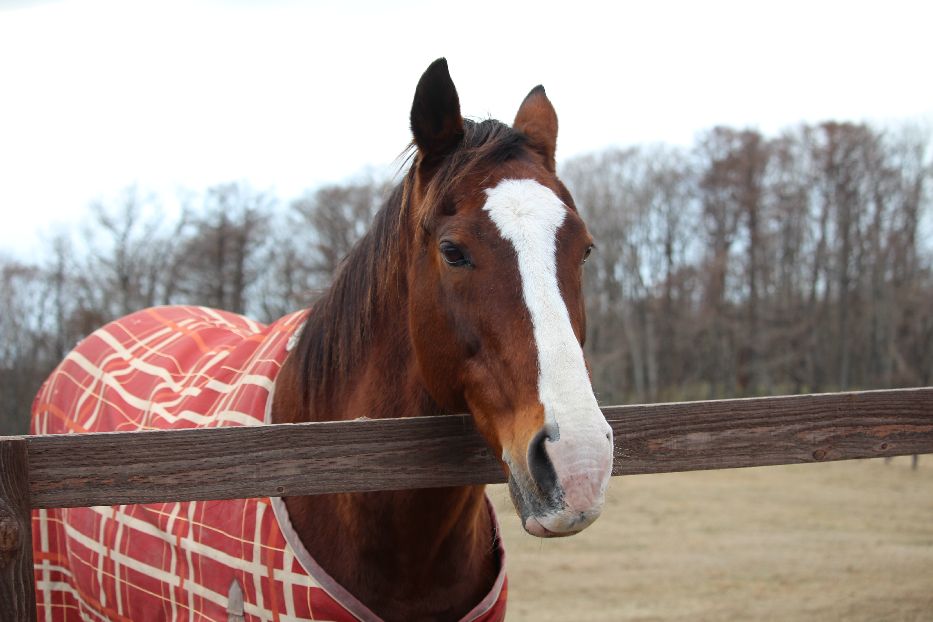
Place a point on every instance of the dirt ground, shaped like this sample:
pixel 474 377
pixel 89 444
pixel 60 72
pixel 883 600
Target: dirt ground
pixel 838 541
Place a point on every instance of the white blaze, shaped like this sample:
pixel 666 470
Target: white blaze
pixel 528 215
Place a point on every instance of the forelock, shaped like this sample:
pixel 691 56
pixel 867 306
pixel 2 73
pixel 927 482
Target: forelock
pixel 485 144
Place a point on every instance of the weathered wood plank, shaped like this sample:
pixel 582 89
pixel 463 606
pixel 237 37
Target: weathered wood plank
pixel 17 583
pixel 794 429
pixel 102 469
pixel 222 463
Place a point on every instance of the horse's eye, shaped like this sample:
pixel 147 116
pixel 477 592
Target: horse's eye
pixel 453 255
pixel 586 254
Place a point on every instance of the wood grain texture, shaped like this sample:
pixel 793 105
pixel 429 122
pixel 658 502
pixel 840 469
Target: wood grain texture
pixel 17 586
pixel 234 462
pixel 314 458
pixel 794 429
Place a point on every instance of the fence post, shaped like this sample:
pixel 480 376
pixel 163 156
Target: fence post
pixel 17 583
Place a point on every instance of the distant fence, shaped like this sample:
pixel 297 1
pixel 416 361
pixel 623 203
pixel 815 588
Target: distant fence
pixel 79 470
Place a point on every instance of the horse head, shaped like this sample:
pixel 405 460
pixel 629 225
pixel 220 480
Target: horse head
pixel 495 303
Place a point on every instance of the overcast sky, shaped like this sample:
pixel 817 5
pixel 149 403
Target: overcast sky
pixel 96 95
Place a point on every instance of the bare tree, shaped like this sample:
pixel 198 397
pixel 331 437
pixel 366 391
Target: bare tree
pixel 219 258
pixel 335 217
pixel 132 254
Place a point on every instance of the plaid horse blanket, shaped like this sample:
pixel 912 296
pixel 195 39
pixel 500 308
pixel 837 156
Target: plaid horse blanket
pixel 234 560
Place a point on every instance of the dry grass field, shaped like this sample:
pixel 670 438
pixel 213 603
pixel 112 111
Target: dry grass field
pixel 838 541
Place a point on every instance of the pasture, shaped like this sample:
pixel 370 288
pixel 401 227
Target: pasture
pixel 849 540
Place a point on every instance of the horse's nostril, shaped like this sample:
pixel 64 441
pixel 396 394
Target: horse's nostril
pixel 539 463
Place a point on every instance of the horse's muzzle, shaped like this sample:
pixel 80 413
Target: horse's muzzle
pixel 564 488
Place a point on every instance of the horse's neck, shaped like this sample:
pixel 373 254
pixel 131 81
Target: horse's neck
pixel 406 554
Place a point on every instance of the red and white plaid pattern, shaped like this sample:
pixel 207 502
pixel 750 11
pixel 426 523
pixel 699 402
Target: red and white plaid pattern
pixel 181 367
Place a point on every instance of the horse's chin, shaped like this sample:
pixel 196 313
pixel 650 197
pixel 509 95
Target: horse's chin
pixel 534 527
pixel 559 524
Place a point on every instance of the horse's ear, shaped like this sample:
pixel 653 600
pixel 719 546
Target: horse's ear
pixel 537 120
pixel 436 123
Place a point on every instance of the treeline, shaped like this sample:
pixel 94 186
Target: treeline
pixel 743 265
pixel 748 265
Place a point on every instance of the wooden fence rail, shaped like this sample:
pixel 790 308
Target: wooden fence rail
pixel 364 455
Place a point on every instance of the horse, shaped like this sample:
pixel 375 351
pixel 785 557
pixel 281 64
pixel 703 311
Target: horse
pixel 464 296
